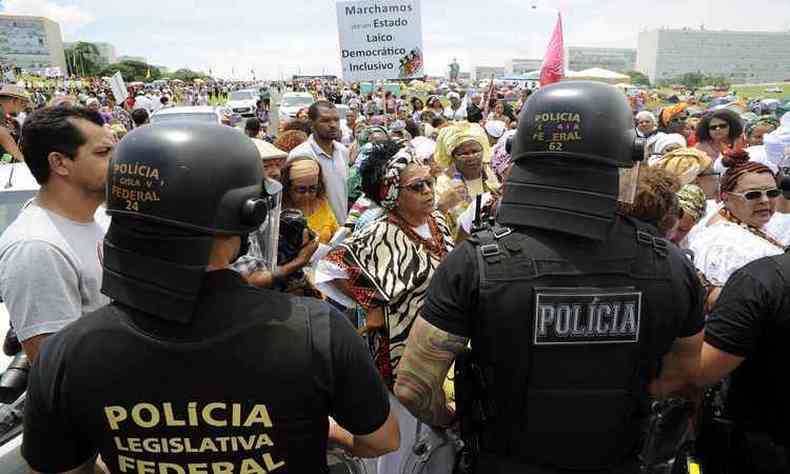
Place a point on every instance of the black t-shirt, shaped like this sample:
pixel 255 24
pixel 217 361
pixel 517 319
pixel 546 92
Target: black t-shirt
pixel 750 303
pixel 751 319
pixel 246 387
pixel 452 299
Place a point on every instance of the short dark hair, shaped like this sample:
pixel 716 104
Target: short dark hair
pixel 412 128
pixel 253 125
pixel 732 119
pixel 438 121
pixel 140 117
pixel 312 112
pixel 372 170
pixel 297 125
pixel 53 129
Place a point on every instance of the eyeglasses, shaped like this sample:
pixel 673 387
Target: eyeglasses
pixel 758 194
pixel 419 185
pixel 306 189
pixel 721 126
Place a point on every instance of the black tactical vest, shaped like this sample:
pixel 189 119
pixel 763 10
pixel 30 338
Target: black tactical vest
pixel 241 385
pixel 569 332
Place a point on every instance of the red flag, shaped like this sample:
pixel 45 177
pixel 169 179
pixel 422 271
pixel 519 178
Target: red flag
pixel 553 67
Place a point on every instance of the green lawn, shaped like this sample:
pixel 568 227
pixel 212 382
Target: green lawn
pixel 749 92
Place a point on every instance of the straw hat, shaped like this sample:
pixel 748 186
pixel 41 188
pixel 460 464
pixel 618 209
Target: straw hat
pixel 11 90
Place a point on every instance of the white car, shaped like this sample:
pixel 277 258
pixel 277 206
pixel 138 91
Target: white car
pixel 200 113
pixel 292 102
pixel 775 90
pixel 17 187
pixel 243 102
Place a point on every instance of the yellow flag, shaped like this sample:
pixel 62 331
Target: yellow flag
pixel 148 73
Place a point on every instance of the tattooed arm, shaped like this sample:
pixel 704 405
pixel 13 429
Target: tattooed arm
pixel 422 369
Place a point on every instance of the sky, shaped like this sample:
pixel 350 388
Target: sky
pixel 274 38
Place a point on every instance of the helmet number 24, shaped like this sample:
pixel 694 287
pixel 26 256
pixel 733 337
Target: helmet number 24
pixel 555 146
pixel 132 205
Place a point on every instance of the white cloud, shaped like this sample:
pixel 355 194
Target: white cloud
pixel 274 36
pixel 70 17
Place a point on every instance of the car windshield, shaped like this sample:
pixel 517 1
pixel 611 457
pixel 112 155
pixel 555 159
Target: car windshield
pixel 11 203
pixel 297 101
pixel 241 95
pixel 184 117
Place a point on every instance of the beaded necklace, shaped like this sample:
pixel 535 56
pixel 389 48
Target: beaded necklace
pixel 730 217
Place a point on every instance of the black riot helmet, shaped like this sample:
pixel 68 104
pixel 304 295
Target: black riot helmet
pixel 171 187
pixel 578 120
pixel 197 176
pixel 574 150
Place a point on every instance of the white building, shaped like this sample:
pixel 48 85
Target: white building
pixel 612 59
pixel 519 67
pixel 738 56
pixel 485 72
pixel 33 43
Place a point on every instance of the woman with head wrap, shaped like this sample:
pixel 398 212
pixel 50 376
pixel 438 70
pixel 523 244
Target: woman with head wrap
pixel 434 104
pixel 737 235
pixel 386 269
pixel 691 200
pixel 664 143
pixel 463 150
pixel 672 119
pixel 757 128
pixel 303 189
pixel 691 166
pixel 655 201
pixel 501 163
pixel 366 137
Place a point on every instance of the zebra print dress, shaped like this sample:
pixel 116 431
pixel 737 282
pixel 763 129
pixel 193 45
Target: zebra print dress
pixel 390 265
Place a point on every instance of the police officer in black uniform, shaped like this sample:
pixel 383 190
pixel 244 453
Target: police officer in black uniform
pixel 746 336
pixel 191 369
pixel 576 314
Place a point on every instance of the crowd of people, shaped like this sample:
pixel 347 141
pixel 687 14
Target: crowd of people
pixel 373 202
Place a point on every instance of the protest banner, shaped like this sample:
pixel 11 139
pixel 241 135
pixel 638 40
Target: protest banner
pixel 380 39
pixel 119 90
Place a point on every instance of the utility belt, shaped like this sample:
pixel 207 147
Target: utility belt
pixel 667 449
pixel 726 448
pixel 473 408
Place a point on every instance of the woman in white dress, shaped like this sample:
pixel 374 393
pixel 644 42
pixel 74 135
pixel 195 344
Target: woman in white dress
pixel 736 235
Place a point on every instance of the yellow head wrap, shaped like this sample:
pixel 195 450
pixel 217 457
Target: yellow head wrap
pixel 685 163
pixel 453 136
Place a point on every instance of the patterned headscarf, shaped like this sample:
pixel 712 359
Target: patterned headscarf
pixel 692 200
pixel 764 120
pixel 671 111
pixel 685 163
pixel 364 135
pixel 390 182
pixel 453 136
pixel 738 164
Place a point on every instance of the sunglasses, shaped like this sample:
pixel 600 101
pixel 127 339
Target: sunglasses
pixel 754 195
pixel 720 126
pixel 306 189
pixel 419 185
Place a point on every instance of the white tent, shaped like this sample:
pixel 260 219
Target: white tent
pixel 597 73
